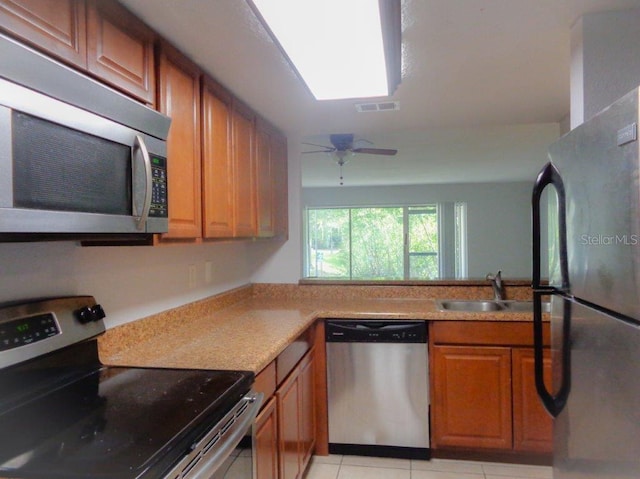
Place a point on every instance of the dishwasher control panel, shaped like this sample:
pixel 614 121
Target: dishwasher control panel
pixel 378 331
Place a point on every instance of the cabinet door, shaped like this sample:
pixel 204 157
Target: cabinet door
pixel 266 442
pixel 532 426
pixel 307 410
pixel 288 397
pixel 179 98
pixel 120 49
pixel 217 161
pixel 243 132
pixel 472 397
pixel 279 165
pixel 264 183
pixel 56 26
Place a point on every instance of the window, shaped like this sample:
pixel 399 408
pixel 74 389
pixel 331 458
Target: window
pixel 386 243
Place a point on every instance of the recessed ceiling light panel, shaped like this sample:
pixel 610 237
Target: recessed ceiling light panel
pixel 336 46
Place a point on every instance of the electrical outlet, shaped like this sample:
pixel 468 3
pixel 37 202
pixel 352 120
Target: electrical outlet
pixel 208 272
pixel 193 276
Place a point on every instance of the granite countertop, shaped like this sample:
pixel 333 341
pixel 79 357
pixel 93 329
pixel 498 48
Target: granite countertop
pixel 250 333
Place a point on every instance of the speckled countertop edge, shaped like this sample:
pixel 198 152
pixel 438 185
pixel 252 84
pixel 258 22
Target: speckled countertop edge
pixel 245 330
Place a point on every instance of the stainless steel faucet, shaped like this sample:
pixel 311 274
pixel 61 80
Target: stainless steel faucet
pixel 496 284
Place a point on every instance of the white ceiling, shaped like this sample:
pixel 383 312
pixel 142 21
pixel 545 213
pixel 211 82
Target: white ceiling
pixel 485 84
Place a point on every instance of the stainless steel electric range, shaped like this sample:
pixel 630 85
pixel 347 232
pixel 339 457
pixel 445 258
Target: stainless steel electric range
pixel 63 414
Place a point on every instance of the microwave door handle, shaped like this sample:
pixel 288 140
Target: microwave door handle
pixel 146 159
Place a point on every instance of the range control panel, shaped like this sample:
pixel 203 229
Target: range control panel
pixel 31 328
pixel 22 331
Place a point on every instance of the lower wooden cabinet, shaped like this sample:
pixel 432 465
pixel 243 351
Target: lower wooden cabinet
pixel 266 441
pixel 296 419
pixel 472 397
pixel 532 426
pixel 483 388
pixel 285 429
pixel 307 410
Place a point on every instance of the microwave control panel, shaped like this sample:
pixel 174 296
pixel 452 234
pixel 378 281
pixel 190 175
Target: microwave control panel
pixel 159 199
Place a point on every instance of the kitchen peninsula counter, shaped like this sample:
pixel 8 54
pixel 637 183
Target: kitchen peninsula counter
pixel 248 327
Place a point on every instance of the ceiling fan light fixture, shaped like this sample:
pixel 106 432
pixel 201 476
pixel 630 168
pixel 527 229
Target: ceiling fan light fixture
pixel 340 48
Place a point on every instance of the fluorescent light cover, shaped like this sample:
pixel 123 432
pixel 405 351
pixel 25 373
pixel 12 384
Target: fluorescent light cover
pixel 336 45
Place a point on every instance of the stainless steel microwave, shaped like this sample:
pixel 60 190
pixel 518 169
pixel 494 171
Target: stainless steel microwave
pixel 76 157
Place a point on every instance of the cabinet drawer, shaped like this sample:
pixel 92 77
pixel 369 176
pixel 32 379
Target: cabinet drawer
pixel 266 381
pixel 487 333
pixel 288 358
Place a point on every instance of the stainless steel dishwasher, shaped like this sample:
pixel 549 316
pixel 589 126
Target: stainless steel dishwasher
pixel 378 386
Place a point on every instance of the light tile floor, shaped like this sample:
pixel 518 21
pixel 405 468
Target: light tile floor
pixel 357 467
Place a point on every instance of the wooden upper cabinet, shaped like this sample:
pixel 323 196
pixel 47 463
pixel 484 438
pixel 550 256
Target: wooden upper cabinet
pixel 217 161
pixel 271 182
pixel 96 36
pixel 244 198
pixel 179 98
pixel 279 167
pixel 57 27
pixel 120 49
pixel 227 171
pixel 265 188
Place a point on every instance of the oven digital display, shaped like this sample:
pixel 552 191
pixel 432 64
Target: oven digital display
pixel 22 331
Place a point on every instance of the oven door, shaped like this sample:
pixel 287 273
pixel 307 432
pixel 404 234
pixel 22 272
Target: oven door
pixel 225 452
pixel 241 462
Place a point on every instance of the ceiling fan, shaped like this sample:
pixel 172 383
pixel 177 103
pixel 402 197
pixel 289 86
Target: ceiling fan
pixel 343 148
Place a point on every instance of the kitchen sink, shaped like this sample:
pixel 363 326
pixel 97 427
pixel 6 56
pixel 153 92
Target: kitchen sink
pixel 479 306
pixel 469 306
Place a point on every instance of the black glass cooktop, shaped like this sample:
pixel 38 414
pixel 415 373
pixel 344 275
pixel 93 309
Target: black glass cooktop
pixel 63 419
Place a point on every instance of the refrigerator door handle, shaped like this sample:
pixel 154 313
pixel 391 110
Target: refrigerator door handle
pixel 554 404
pixel 549 175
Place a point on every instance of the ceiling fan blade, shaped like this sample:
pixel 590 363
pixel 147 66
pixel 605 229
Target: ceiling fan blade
pixel 331 150
pixel 319 146
pixel 375 151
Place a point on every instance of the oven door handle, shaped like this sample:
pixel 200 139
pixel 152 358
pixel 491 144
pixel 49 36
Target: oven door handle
pixel 230 438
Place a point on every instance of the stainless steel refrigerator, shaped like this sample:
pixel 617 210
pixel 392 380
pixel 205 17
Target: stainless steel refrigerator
pixel 594 284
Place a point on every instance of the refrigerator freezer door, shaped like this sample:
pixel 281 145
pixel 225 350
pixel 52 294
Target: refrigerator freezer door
pixel 598 163
pixel 597 434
